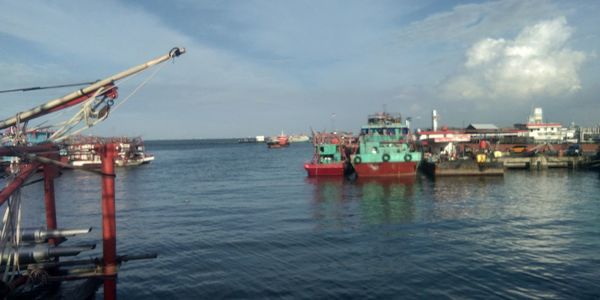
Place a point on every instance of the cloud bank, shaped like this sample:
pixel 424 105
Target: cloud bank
pixel 537 63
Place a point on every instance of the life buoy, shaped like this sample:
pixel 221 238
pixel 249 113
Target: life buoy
pixel 357 160
pixel 407 157
pixel 385 157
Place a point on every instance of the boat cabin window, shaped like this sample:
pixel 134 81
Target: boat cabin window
pixel 384 131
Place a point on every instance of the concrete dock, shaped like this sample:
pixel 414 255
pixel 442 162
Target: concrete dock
pixel 539 162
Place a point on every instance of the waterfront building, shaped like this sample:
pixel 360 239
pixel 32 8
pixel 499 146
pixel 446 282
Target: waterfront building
pixel 588 134
pixel 543 132
pixel 493 133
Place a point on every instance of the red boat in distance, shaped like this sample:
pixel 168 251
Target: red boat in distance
pixel 281 141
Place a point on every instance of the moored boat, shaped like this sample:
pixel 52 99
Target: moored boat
pixel 449 153
pixel 385 148
pixel 81 152
pixel 329 158
pixel 299 138
pixel 463 167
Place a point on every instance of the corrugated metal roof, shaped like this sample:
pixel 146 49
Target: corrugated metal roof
pixel 482 126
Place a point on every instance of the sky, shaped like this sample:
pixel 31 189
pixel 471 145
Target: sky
pixel 262 67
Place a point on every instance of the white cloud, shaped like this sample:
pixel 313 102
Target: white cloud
pixel 537 63
pixel 467 22
pixel 77 47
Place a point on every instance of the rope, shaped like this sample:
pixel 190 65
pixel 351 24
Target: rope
pixel 10 239
pixel 65 111
pixel 87 112
pixel 45 87
pixel 140 86
pixel 76 119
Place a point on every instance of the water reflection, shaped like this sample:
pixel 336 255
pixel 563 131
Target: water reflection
pixel 453 188
pixel 387 200
pixel 326 189
pixel 328 204
pixel 339 202
pixel 463 197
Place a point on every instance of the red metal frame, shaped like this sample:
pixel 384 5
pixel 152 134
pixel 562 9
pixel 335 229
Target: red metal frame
pixel 108 153
pixel 24 173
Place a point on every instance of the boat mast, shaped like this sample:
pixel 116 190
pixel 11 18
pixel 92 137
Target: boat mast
pixel 52 105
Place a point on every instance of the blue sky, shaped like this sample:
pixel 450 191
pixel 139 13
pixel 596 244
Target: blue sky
pixel 259 67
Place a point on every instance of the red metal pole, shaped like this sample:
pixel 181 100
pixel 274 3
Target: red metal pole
pixel 50 172
pixel 109 229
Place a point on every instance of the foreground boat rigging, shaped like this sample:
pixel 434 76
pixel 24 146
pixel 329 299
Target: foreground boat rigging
pixel 32 262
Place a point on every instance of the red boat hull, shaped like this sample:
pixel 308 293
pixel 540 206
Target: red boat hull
pixel 386 169
pixel 334 169
pixel 277 146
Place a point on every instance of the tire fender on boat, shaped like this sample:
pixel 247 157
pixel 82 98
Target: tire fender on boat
pixel 385 157
pixel 357 160
pixel 407 157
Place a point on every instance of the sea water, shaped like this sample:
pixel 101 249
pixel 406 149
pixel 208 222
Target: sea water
pixel 242 221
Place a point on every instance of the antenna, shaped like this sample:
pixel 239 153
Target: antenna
pixel 333 122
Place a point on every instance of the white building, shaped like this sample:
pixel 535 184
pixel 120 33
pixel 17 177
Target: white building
pixel 589 134
pixel 542 132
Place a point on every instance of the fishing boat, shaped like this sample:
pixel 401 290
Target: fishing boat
pixel 80 151
pixel 35 263
pixel 281 141
pixel 329 157
pixel 385 148
pixel 299 138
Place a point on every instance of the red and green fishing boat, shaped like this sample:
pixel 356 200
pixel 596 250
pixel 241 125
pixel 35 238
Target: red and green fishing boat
pixel 329 158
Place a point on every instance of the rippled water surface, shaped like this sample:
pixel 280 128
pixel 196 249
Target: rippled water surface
pixel 240 221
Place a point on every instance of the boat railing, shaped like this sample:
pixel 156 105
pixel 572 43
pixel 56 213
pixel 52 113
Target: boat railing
pixel 384 118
